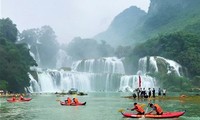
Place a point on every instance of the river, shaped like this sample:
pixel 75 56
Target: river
pixel 100 106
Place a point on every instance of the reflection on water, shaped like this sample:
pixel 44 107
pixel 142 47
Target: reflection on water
pixel 100 106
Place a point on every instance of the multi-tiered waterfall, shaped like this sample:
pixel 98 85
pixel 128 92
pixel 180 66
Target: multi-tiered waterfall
pixel 103 74
pixel 151 64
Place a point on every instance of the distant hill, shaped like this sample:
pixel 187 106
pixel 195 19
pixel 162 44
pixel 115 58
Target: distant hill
pixel 134 26
pixel 122 26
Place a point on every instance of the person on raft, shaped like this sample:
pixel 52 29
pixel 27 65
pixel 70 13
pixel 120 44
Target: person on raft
pixel 75 100
pixel 138 108
pixel 68 101
pixel 156 108
pixel 21 97
pixel 13 98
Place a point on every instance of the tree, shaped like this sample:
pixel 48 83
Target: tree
pixel 8 30
pixel 43 44
pixel 15 62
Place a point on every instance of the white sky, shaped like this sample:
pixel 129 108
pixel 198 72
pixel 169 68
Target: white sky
pixel 68 18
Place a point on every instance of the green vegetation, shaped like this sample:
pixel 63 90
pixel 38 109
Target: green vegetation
pixel 171 30
pixel 15 59
pixel 43 44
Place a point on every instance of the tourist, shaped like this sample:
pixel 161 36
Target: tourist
pixel 164 92
pixel 13 98
pixel 156 108
pixel 75 100
pixel 159 92
pixel 68 101
pixel 134 95
pixel 141 92
pixel 154 91
pixel 138 108
pixel 21 97
pixel 138 92
pixel 149 92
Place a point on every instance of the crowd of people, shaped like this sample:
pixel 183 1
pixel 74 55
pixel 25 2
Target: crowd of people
pixel 143 93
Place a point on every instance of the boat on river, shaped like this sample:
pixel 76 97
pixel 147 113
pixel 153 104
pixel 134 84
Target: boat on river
pixel 164 115
pixel 24 100
pixel 73 104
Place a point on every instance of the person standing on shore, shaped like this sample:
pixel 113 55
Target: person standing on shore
pixel 149 94
pixel 154 93
pixel 138 92
pixel 164 92
pixel 159 92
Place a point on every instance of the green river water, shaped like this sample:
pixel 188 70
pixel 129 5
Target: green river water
pixel 100 106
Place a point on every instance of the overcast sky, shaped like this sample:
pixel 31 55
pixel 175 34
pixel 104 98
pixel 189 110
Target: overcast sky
pixel 68 18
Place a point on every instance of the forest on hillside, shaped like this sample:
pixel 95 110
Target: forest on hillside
pixel 15 60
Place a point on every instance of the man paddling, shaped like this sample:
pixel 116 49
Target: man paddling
pixel 21 97
pixel 68 101
pixel 138 108
pixel 75 100
pixel 156 108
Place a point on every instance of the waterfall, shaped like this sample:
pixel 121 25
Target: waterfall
pixel 150 64
pixel 103 74
pixel 63 60
pixel 130 83
pixel 34 86
pixel 54 81
pixel 172 66
pixel 101 65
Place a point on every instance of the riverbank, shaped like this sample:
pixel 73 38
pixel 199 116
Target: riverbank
pixel 183 98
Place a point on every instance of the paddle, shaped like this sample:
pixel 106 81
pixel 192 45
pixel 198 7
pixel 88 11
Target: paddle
pixel 149 101
pixel 143 105
pixel 121 110
pixel 58 100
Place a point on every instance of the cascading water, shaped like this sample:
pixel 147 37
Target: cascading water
pixel 172 66
pixel 34 86
pixel 63 60
pixel 103 74
pixel 150 64
pixel 85 76
pixel 130 83
pixel 102 65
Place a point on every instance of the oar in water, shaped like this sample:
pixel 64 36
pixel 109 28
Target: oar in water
pixel 121 110
pixel 149 101
pixel 143 105
pixel 58 100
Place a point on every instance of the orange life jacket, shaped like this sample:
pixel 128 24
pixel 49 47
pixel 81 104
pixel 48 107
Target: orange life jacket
pixel 76 100
pixel 158 108
pixel 69 101
pixel 138 108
